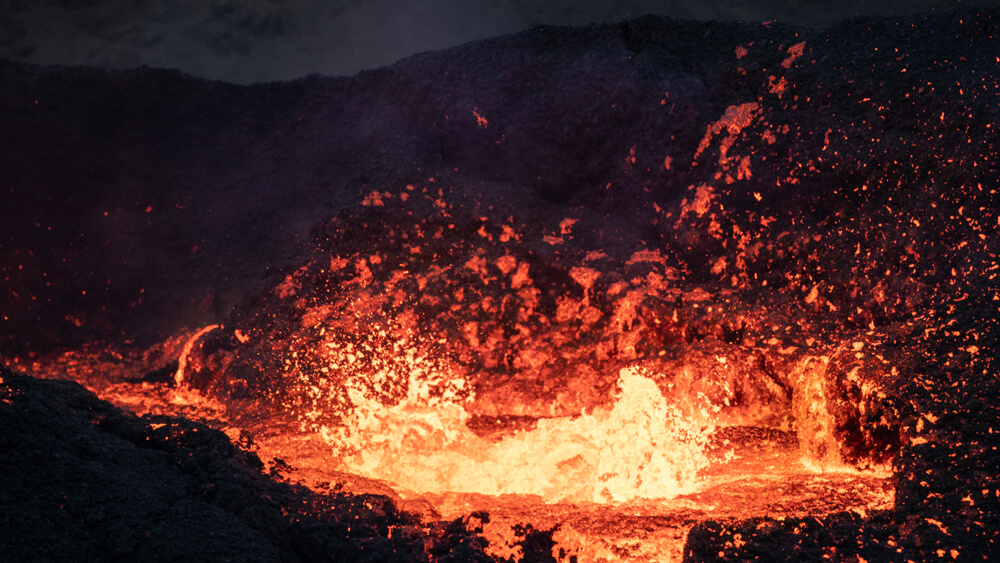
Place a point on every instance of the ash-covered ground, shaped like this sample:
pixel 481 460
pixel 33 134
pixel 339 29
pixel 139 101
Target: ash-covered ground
pixel 765 216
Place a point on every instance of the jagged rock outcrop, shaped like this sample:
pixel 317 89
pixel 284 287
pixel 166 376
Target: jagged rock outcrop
pixel 85 481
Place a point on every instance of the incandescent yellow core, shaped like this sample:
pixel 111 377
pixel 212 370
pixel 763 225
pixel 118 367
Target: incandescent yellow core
pixel 640 447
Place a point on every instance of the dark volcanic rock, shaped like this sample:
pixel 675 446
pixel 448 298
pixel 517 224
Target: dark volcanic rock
pixel 947 503
pixel 84 481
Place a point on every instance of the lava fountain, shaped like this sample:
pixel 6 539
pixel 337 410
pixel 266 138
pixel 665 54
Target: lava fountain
pixel 465 368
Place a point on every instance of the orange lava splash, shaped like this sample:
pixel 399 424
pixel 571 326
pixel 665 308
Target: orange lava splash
pixel 641 447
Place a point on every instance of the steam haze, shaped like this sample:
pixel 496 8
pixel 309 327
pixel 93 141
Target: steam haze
pixel 265 40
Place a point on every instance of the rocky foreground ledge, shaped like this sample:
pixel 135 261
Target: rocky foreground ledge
pixel 85 481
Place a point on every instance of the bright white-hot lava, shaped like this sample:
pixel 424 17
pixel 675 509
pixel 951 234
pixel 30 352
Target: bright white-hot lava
pixel 640 447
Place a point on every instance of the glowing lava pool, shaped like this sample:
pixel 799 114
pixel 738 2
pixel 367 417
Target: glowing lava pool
pixel 625 482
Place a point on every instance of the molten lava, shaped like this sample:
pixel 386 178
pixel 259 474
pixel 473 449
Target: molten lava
pixel 640 447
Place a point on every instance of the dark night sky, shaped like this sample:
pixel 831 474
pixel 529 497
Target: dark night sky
pixel 259 40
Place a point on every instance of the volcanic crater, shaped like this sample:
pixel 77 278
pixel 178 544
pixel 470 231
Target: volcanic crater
pixel 658 290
